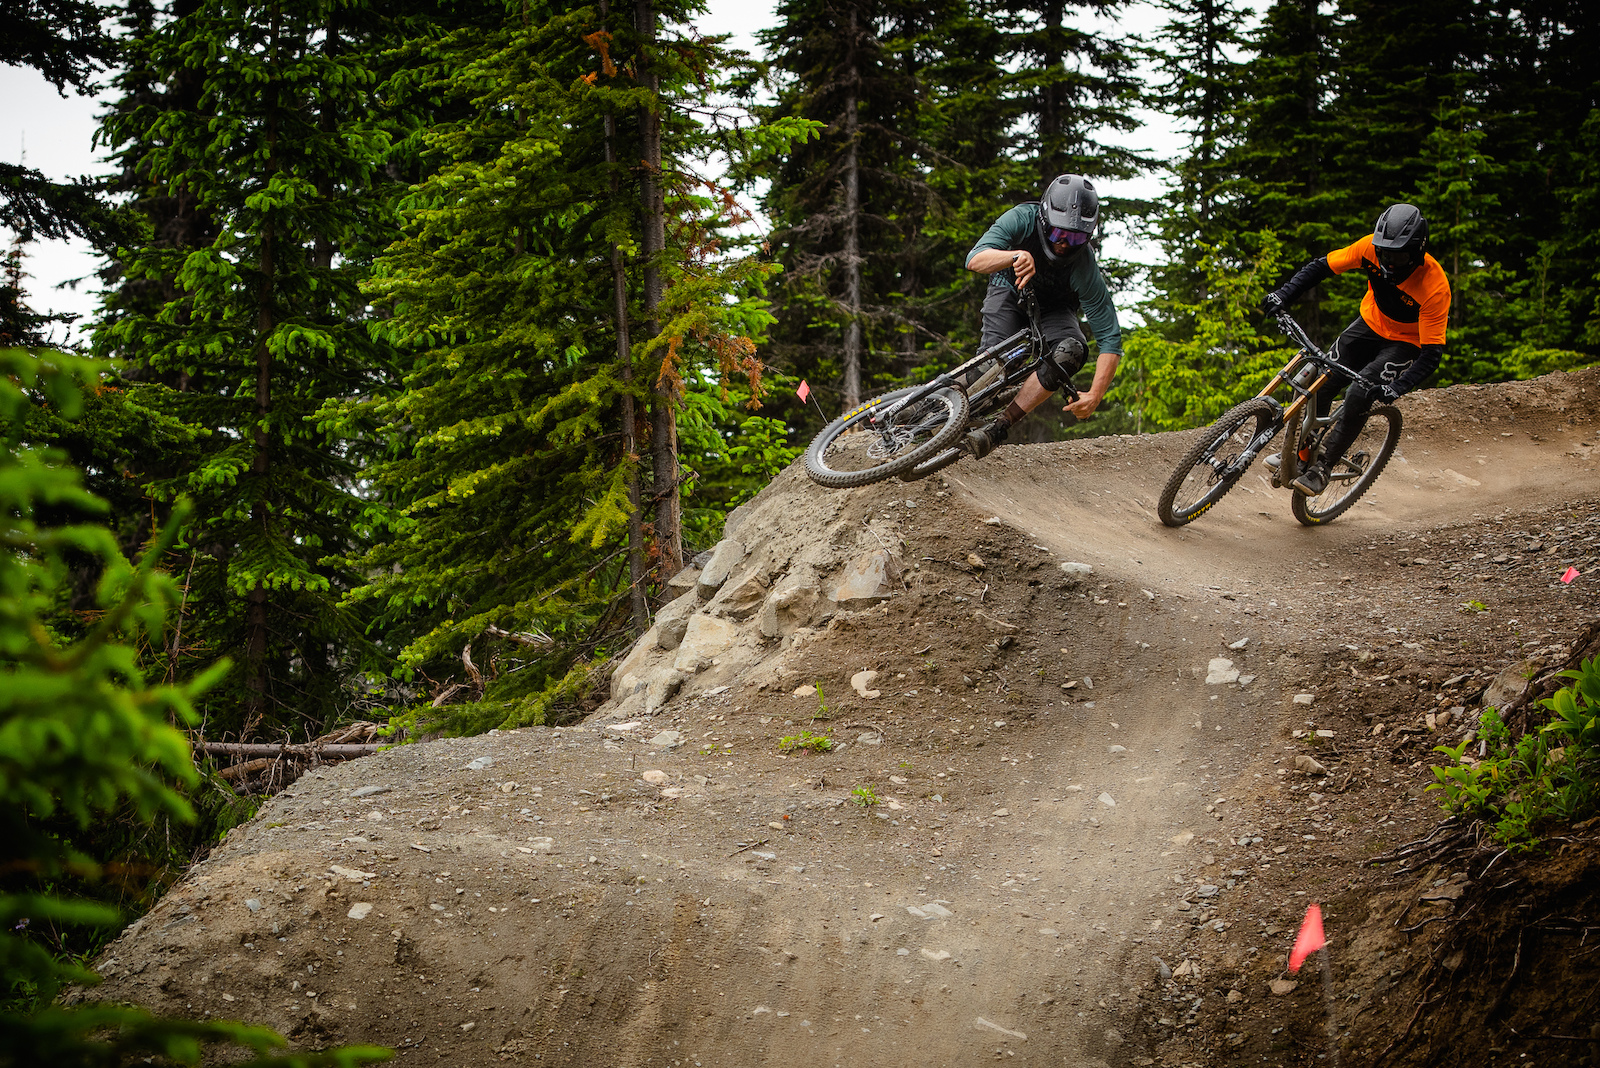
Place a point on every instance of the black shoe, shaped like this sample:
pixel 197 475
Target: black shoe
pixel 1312 481
pixel 1273 461
pixel 982 442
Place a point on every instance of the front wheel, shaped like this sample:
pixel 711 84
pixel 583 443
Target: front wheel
pixel 1363 462
pixel 861 447
pixel 1213 466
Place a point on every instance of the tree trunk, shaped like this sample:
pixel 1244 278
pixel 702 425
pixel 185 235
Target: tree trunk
pixel 852 227
pixel 664 390
pixel 260 462
pixel 639 609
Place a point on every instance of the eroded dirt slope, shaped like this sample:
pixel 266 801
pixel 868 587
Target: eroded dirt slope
pixel 1084 852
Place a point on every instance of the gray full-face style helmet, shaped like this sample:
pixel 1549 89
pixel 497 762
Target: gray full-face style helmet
pixel 1069 210
pixel 1400 239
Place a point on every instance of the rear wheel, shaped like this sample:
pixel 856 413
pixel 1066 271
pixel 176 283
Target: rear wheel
pixel 1363 462
pixel 940 461
pixel 1213 466
pixel 861 447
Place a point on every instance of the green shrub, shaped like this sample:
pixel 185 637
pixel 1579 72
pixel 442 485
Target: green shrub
pixel 817 743
pixel 1547 778
pixel 82 736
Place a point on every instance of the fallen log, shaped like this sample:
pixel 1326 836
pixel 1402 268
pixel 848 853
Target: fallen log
pixel 259 749
pixel 249 767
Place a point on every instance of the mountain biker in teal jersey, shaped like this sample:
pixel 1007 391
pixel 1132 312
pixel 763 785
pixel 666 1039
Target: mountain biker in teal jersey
pixel 1046 245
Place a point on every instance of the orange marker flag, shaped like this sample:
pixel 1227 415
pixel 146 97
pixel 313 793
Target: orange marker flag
pixel 1309 940
pixel 1569 574
pixel 804 391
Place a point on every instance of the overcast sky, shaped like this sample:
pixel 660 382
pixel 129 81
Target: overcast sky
pixel 56 135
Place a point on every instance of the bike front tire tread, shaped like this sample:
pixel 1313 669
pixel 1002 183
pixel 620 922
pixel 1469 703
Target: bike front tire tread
pixel 955 421
pixel 1259 408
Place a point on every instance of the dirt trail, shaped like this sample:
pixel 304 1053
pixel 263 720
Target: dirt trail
pixel 1068 807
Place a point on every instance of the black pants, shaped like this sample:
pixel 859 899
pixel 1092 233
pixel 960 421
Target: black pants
pixel 1376 357
pixel 1003 316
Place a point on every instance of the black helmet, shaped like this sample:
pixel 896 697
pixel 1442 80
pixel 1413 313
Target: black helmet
pixel 1400 238
pixel 1070 206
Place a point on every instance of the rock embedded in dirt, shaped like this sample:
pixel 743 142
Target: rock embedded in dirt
pixel 705 638
pixel 724 558
pixel 1072 567
pixel 1308 766
pixel 1509 686
pixel 1220 671
pixel 667 739
pixel 655 777
pixel 672 621
pixel 742 595
pixel 479 763
pixel 369 791
pixel 867 580
pixel 861 683
pixel 793 602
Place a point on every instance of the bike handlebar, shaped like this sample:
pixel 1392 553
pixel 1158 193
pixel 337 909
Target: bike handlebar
pixel 1298 335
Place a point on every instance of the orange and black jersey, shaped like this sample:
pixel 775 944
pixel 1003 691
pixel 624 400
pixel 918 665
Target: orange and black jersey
pixel 1414 311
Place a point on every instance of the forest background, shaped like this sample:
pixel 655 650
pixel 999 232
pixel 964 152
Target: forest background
pixel 434 337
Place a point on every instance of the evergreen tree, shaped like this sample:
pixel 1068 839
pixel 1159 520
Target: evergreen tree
pixel 844 207
pixel 273 139
pixel 553 314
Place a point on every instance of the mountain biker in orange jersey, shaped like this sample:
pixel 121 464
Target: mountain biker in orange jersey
pixel 1046 244
pixel 1399 336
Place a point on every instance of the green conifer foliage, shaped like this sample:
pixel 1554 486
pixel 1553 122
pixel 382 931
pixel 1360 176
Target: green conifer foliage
pixel 278 142
pixel 83 737
pixel 513 478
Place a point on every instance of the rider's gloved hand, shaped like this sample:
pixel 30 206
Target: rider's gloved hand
pixel 1274 302
pixel 1388 393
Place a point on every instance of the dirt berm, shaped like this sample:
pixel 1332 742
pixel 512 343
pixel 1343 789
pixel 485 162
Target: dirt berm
pixel 1093 833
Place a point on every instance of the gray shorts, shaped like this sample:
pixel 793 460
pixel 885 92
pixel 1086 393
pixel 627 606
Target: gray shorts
pixel 1003 316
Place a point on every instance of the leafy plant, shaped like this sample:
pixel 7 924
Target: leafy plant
pixel 1548 777
pixel 1474 606
pixel 866 796
pixel 817 743
pixel 82 737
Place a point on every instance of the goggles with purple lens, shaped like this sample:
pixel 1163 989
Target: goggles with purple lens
pixel 1072 237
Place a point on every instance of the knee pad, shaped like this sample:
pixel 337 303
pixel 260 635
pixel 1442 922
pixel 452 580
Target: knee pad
pixel 1063 362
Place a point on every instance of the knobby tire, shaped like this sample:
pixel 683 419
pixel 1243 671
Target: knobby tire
pixel 1219 447
pixel 849 452
pixel 1342 493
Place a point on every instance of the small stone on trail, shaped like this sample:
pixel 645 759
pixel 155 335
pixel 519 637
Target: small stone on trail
pixel 807 690
pixel 976 561
pixel 369 791
pixel 654 776
pixel 351 874
pixel 869 738
pixel 992 521
pixel 1182 839
pixel 860 683
pixel 542 845
pixel 1002 812
pixel 667 739
pixel 1118 749
pixel 1072 567
pixel 1108 801
pixel 1240 644
pixel 254 904
pixel 360 910
pixel 1281 987
pixel 933 908
pixel 1050 932
pixel 508 787
pixel 775 825
pixel 480 763
pixel 1221 671
pixel 1304 698
pixel 1308 766
pixel 936 955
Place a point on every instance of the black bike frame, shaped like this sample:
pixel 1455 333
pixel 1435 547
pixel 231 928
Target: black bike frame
pixel 1025 343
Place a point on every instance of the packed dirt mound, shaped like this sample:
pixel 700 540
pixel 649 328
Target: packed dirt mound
pixel 1064 817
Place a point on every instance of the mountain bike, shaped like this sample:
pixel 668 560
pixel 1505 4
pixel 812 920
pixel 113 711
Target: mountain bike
pixel 916 431
pixel 1228 446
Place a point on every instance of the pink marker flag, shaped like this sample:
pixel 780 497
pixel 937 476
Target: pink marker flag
pixel 1310 938
pixel 804 392
pixel 1569 574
